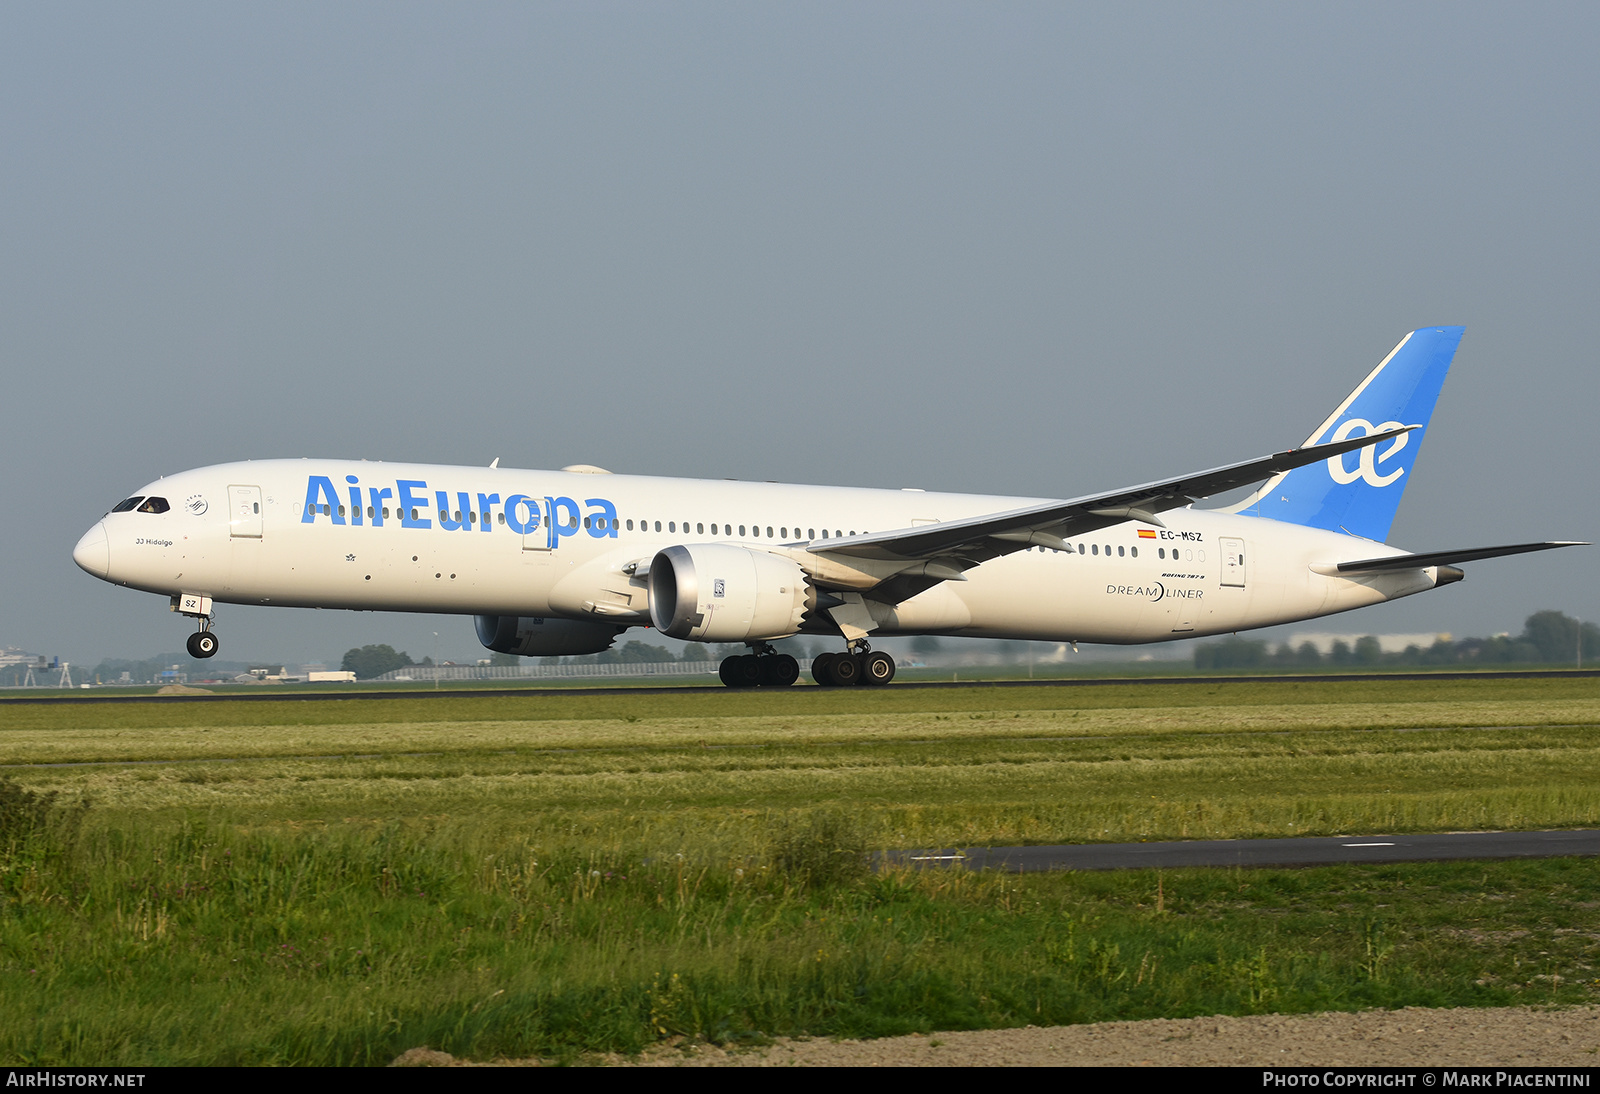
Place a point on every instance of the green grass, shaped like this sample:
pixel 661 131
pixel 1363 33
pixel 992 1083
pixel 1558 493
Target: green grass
pixel 558 874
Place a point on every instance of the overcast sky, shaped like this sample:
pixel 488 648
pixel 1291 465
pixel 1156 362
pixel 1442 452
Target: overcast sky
pixel 1023 249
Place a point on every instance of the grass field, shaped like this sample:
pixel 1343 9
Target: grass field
pixel 335 882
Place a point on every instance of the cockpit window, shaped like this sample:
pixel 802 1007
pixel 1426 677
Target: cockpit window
pixel 154 505
pixel 124 506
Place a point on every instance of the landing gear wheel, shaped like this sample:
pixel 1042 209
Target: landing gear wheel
pixel 845 670
pixel 779 671
pixel 878 668
pixel 202 644
pixel 821 669
pixel 740 670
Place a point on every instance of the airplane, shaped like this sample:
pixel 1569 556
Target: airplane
pixel 563 562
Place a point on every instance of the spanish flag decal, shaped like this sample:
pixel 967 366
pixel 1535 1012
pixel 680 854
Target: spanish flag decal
pixel 1145 533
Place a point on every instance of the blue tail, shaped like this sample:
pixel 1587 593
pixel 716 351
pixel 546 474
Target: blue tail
pixel 1359 492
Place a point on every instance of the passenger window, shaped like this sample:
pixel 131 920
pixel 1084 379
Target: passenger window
pixel 699 529
pixel 124 506
pixel 1120 553
pixel 658 526
pixel 1135 551
pixel 741 529
pixel 811 533
pixel 586 523
pixel 1094 548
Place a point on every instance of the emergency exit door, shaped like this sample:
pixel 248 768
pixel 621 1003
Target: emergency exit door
pixel 1232 562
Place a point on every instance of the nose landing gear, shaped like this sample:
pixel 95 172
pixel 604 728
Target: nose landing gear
pixel 203 643
pixel 857 665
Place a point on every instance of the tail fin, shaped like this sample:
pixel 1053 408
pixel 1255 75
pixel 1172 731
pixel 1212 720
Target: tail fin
pixel 1359 492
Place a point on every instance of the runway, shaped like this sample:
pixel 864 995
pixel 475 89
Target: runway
pixel 273 694
pixel 1318 851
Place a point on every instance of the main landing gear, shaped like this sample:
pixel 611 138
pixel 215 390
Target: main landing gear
pixel 766 668
pixel 858 665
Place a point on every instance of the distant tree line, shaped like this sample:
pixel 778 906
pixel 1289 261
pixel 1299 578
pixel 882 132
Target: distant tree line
pixel 1548 637
pixel 369 661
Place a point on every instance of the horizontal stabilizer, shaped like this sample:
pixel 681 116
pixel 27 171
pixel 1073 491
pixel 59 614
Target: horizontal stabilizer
pixel 1442 558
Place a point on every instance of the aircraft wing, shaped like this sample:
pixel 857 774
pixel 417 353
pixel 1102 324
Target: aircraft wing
pixel 1442 558
pixel 957 545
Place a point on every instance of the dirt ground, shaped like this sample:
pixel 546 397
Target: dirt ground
pixel 1499 1037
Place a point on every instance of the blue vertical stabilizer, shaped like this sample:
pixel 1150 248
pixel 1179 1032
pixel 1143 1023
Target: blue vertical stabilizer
pixel 1359 492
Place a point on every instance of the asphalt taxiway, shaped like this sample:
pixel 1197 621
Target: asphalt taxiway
pixel 1313 851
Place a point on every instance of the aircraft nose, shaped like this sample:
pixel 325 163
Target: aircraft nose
pixel 93 552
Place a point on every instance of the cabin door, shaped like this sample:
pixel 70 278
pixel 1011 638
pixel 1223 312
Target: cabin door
pixel 244 512
pixel 1232 562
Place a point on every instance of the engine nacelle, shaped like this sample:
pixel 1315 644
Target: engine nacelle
pixel 715 592
pixel 535 636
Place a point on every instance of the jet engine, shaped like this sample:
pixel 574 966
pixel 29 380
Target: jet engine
pixel 714 592
pixel 535 636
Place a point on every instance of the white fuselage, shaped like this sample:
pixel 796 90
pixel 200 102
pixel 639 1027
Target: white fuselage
pixel 500 541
